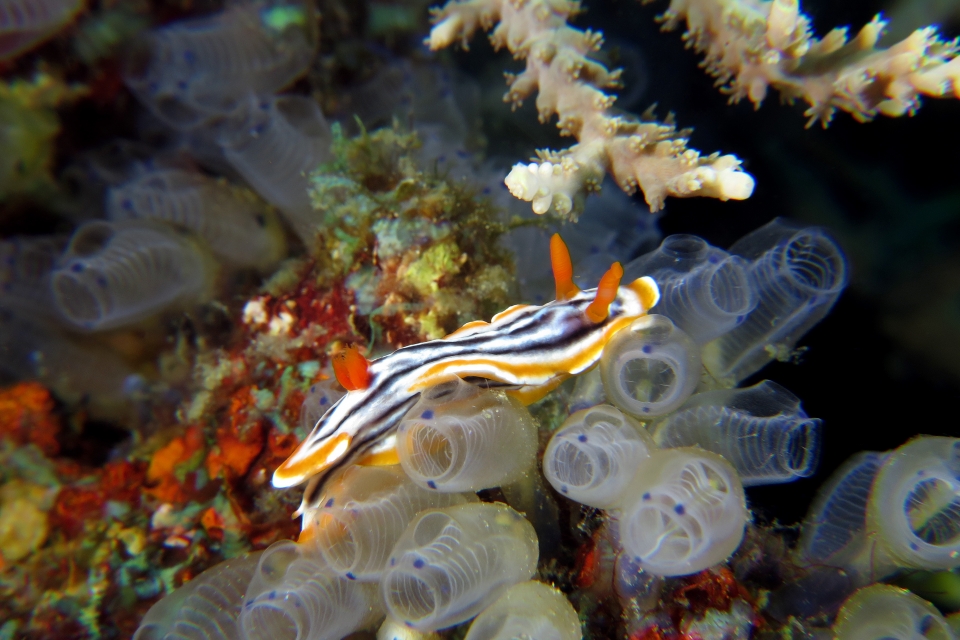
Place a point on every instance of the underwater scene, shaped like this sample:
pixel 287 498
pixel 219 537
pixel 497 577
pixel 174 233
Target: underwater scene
pixel 479 319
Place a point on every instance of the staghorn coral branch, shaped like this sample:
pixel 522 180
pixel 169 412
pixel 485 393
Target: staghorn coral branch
pixel 637 152
pixel 751 45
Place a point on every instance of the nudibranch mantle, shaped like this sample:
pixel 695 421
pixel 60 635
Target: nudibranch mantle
pixel 526 350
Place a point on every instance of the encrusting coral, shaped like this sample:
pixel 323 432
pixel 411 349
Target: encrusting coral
pixel 750 45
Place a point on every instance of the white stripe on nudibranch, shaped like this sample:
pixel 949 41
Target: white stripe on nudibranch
pixel 522 348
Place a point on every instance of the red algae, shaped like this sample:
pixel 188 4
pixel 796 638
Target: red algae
pixel 27 415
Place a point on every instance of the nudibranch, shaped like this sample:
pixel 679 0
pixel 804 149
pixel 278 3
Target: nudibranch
pixel 525 350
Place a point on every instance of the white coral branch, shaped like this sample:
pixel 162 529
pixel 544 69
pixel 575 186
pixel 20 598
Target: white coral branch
pixel 751 45
pixel 651 156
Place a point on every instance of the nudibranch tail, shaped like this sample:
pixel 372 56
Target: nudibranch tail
pixel 599 309
pixel 310 459
pixel 352 369
pixel 647 291
pixel 562 268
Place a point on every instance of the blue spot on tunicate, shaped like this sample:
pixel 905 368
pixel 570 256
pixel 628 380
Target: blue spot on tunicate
pixel 418 563
pixel 182 85
pixel 740 319
pixel 646 496
pixel 714 259
pixel 329 503
pixel 393 561
pixel 582 437
pixel 647 348
pixel 76 267
pixel 101 281
pixel 646 409
pixel 427 415
pixel 271 595
pixel 913 545
pixel 350 576
pixel 921 472
pixel 296 603
pixel 189 56
pixel 431 484
pixel 563 489
pixel 594 250
pixel 323 400
pixel 313 388
pixel 679 509
pixel 127 204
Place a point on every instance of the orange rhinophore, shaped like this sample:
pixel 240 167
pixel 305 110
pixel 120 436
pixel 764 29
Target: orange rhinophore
pixel 606 293
pixel 352 369
pixel 562 268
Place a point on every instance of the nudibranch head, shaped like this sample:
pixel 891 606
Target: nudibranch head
pixel 525 350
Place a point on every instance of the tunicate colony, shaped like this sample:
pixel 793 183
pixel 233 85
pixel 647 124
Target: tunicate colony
pixel 653 438
pixel 657 436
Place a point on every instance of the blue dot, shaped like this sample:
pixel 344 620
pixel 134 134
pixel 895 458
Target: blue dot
pixel 418 563
pixel 646 409
pixel 740 319
pixel 127 204
pixel 647 349
pixel 913 545
pixel 271 595
pixel 182 85
pixel 350 576
pixel 427 415
pixel 323 400
pixel 329 503
pixel 713 259
pixel 582 437
pixel 563 489
pixel 101 281
pixel 296 603
pixel 646 496
pixel 189 56
pixel 77 267
pixel 431 484
pixel 313 388
pixel 679 509
pixel 921 472
pixel 393 561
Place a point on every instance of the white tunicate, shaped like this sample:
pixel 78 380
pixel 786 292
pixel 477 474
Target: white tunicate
pixel 914 506
pixel 703 289
pixel 594 454
pixel 885 612
pixel 459 437
pixel 113 274
pixel 24 23
pixel 294 596
pixel 833 529
pixel 237 226
pixel 797 274
pixel 529 610
pixel 192 70
pixel 318 400
pixel 650 368
pixel 587 391
pixel 452 563
pixel 365 510
pixel 275 143
pixel 206 608
pixel 685 511
pixel 760 430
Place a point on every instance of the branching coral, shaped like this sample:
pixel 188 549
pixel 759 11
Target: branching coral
pixel 750 45
pixel 638 152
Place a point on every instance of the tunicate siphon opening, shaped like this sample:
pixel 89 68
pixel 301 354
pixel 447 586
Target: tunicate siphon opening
pixel 336 537
pixel 933 511
pixel 800 447
pixel 651 368
pixel 434 453
pixel 90 239
pixel 814 262
pixel 76 299
pixel 684 247
pixel 430 527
